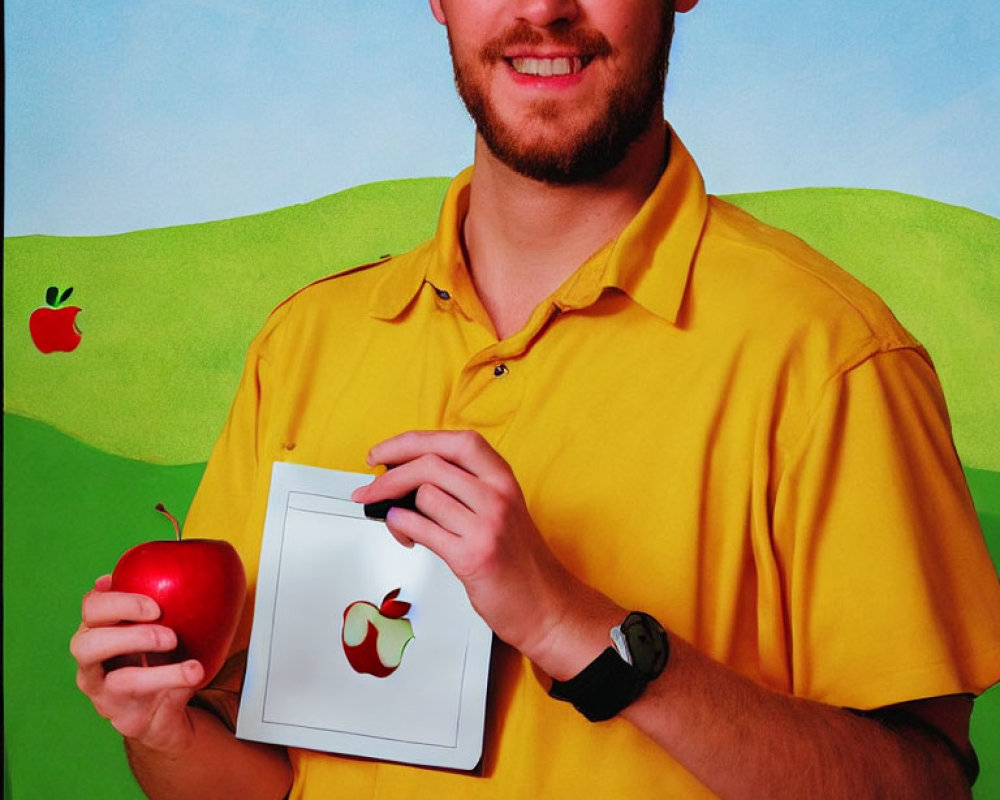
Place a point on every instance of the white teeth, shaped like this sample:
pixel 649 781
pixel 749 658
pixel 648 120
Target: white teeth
pixel 547 67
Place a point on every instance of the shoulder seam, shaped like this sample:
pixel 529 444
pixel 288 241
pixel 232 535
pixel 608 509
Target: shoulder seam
pixel 867 352
pixel 862 309
pixel 325 278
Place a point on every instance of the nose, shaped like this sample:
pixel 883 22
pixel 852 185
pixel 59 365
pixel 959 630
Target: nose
pixel 543 13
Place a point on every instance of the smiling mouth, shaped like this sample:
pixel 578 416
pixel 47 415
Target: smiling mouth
pixel 549 67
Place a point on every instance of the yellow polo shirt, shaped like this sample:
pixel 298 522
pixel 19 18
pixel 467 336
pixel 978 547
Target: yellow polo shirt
pixel 710 422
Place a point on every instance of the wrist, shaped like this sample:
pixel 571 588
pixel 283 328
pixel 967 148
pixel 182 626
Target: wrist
pixel 172 739
pixel 572 631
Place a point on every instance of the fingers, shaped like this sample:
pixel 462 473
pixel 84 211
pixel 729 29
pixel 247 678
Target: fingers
pixel 466 449
pixel 441 515
pixel 97 645
pixel 102 637
pixel 459 463
pixel 454 489
pixel 98 651
pixel 463 487
pixel 133 683
pixel 104 607
pixel 409 527
pixel 138 701
pixel 148 703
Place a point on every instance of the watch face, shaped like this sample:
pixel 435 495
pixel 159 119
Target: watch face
pixel 647 642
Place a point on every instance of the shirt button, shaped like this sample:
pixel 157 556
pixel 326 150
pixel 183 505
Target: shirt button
pixel 500 370
pixel 443 294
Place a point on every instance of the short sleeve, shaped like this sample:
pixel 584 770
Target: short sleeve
pixel 891 592
pixel 228 500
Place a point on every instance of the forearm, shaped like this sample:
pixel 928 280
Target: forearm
pixel 744 741
pixel 216 766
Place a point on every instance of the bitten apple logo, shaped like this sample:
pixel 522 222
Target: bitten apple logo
pixel 53 326
pixel 375 638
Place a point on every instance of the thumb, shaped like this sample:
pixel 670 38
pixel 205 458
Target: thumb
pixel 193 673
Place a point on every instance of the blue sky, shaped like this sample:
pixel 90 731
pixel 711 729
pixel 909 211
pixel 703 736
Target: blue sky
pixel 129 114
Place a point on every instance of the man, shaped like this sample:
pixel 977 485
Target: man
pixel 614 393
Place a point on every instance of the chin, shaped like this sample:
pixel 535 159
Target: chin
pixel 566 159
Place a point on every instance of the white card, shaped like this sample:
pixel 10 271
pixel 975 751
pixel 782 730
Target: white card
pixel 317 558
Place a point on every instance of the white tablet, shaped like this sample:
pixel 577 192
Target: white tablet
pixel 359 645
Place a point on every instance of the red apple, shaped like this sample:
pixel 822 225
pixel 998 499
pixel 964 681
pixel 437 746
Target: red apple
pixel 53 327
pixel 374 638
pixel 200 587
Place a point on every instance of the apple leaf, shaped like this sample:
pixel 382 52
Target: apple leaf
pixel 394 609
pixel 65 295
pixel 392 595
pixel 51 295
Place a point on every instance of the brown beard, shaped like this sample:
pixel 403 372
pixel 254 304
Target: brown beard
pixel 600 147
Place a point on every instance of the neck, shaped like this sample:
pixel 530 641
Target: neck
pixel 523 238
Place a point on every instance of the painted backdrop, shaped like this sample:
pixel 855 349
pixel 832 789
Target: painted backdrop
pixel 182 166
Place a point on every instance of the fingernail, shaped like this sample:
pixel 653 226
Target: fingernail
pixel 165 639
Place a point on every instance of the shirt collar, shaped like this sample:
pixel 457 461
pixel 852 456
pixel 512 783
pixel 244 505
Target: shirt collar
pixel 435 262
pixel 650 260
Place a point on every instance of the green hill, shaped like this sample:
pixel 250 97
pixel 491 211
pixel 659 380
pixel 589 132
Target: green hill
pixel 167 313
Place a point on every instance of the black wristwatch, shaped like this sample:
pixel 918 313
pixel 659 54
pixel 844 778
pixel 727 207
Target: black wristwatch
pixel 618 675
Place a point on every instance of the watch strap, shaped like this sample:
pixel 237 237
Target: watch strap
pixel 604 687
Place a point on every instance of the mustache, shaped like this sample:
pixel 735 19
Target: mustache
pixel 585 41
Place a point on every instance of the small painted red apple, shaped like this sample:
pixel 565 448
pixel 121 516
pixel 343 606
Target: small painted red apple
pixel 200 587
pixel 53 326
pixel 374 638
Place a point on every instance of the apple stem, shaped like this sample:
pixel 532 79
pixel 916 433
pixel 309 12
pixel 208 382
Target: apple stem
pixel 173 520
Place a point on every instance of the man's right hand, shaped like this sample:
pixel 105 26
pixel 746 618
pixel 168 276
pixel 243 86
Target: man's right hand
pixel 143 703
